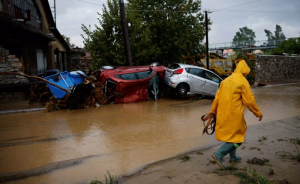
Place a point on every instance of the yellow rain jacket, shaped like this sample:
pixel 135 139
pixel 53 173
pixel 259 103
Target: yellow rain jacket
pixel 232 97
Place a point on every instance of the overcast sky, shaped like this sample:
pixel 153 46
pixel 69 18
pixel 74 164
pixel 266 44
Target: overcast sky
pixel 70 14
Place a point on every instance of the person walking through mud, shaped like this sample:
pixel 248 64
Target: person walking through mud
pixel 228 106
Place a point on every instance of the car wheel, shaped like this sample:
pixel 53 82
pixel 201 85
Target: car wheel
pixel 182 89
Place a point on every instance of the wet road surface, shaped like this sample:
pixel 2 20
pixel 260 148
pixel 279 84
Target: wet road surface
pixel 80 145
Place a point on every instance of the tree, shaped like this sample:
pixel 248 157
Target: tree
pixel 291 45
pixel 278 34
pixel 158 31
pixel 177 28
pixel 106 43
pixel 68 40
pixel 244 36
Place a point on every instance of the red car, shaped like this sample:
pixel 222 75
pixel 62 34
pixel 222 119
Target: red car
pixel 133 83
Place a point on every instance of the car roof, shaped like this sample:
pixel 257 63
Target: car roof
pixel 191 66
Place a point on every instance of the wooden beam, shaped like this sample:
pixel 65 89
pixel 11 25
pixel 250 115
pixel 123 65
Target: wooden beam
pixel 34 77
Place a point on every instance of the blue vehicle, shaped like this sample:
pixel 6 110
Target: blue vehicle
pixel 66 80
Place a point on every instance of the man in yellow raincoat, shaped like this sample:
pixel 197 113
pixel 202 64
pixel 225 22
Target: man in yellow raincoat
pixel 232 97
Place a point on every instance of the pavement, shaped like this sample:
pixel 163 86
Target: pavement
pixel 20 106
pixel 262 141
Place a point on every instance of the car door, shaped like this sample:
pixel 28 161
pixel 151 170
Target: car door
pixel 212 83
pixel 196 80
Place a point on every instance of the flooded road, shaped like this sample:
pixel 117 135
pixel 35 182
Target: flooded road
pixel 80 145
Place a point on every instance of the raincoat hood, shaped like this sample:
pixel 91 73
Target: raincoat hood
pixel 242 67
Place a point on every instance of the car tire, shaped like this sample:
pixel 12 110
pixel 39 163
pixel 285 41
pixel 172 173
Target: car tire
pixel 182 89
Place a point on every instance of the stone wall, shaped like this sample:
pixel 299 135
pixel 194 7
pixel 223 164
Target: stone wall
pixel 276 69
pixel 9 63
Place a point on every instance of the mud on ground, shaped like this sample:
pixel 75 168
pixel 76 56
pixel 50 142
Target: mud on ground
pixel 263 141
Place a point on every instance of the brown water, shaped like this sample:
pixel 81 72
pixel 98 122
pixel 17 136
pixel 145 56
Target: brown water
pixel 79 145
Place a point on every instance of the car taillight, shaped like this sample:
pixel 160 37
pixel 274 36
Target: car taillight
pixel 178 71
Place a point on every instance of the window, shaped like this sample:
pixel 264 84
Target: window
pixel 219 63
pixel 195 71
pixel 135 76
pixel 229 63
pixel 212 77
pixel 174 66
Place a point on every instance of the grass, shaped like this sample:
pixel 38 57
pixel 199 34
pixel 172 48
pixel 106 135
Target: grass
pixel 108 180
pixel 199 153
pixel 252 178
pixel 258 161
pixel 231 168
pixel 283 181
pixel 271 172
pixel 252 148
pixel 285 154
pixel 262 138
pixel 184 158
pixel 295 141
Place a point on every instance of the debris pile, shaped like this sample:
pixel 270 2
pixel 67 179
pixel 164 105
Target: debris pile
pixel 88 94
pixel 39 93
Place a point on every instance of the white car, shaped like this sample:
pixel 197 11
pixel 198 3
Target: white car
pixel 188 78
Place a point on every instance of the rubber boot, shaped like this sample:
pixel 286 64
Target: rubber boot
pixel 222 152
pixel 233 157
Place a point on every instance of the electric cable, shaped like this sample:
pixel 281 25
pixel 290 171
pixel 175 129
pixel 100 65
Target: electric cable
pixel 90 3
pixel 236 5
pixel 257 11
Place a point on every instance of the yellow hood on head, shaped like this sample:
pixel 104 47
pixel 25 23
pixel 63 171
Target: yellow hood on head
pixel 242 67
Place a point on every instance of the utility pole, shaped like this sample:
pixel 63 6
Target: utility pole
pixel 125 33
pixel 54 12
pixel 206 30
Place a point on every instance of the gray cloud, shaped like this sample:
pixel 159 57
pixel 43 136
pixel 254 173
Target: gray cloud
pixel 72 13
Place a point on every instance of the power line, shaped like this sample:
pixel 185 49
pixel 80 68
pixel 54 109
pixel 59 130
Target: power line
pixel 236 5
pixel 196 12
pixel 258 11
pixel 209 12
pixel 162 11
pixel 90 3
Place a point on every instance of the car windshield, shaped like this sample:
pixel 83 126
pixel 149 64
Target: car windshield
pixel 135 76
pixel 219 63
pixel 174 66
pixel 210 64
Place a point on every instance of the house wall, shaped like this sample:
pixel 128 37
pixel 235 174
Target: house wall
pixel 54 45
pixel 276 68
pixel 10 63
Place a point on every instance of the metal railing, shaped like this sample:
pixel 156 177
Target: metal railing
pixel 246 45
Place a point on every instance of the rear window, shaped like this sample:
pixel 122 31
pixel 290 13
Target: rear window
pixel 135 76
pixel 174 66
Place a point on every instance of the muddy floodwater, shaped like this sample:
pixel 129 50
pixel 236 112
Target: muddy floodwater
pixel 80 145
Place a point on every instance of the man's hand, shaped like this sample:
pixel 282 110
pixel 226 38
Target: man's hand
pixel 261 117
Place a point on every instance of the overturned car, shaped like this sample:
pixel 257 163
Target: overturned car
pixel 131 84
